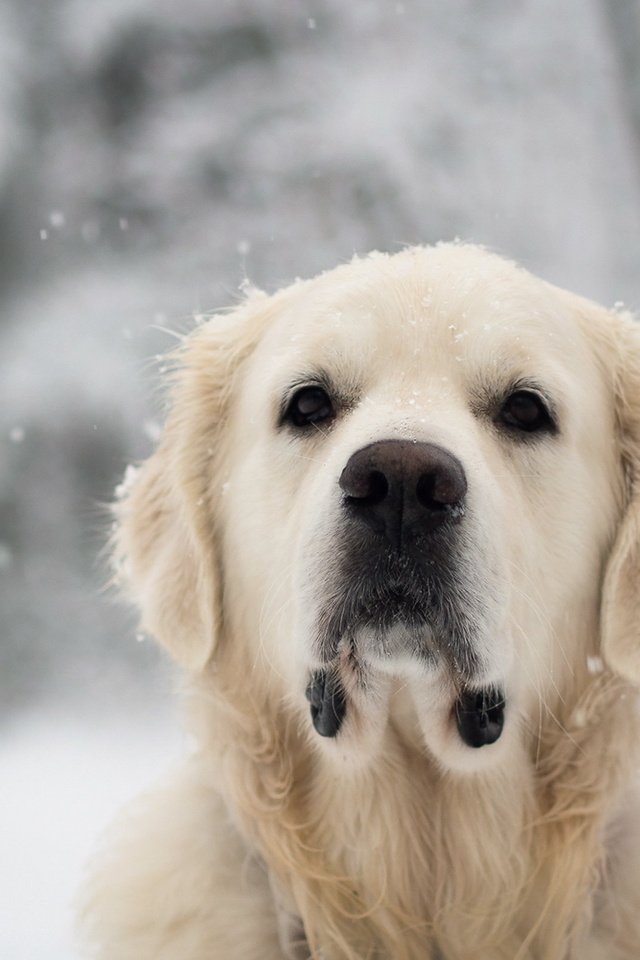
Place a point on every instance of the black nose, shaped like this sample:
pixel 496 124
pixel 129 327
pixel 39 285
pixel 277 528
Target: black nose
pixel 404 489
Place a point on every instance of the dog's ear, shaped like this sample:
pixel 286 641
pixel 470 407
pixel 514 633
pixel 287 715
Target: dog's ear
pixel 621 592
pixel 167 524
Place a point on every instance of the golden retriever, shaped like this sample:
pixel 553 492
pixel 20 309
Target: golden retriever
pixel 392 535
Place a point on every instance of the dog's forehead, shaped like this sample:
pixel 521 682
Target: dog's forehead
pixel 453 309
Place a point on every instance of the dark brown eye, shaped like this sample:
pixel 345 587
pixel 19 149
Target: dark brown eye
pixel 526 411
pixel 309 405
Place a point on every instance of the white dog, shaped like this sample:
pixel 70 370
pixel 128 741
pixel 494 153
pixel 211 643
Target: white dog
pixel 392 533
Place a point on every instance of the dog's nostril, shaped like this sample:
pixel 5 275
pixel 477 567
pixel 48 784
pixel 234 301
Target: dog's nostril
pixel 378 487
pixel 364 485
pixel 439 489
pixel 425 492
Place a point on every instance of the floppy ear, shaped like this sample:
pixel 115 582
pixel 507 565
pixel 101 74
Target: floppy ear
pixel 167 525
pixel 621 593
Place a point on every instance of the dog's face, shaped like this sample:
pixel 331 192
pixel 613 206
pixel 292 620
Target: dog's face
pixel 418 483
pixel 426 487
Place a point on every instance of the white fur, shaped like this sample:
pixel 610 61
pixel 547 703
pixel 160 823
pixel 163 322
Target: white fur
pixel 394 840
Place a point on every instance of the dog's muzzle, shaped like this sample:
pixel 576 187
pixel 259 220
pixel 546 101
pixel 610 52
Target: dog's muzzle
pixel 401 583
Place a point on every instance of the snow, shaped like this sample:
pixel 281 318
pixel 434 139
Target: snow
pixel 579 717
pixel 595 665
pixel 128 481
pixel 152 430
pixel 63 782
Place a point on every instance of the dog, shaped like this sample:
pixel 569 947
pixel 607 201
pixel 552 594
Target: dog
pixel 391 533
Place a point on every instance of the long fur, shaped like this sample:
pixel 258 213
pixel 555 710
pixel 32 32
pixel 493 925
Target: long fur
pixel 398 858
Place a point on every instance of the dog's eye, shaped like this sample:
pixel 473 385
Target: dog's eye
pixel 526 411
pixel 309 405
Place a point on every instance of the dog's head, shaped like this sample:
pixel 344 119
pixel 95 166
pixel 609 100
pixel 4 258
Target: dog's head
pixel 401 487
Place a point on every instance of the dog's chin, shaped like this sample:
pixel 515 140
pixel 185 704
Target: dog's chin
pixel 403 649
pixel 461 717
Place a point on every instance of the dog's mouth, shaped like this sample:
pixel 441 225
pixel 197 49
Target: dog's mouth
pixel 398 616
pixel 478 713
pixel 389 622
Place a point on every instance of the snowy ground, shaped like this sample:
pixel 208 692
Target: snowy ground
pixel 63 782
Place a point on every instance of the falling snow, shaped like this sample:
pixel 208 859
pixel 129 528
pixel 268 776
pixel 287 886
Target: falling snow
pixel 595 665
pixel 124 488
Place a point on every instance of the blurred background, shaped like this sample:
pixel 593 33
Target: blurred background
pixel 154 154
